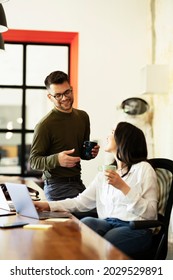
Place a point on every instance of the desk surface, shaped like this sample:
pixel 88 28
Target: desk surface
pixel 27 181
pixel 67 240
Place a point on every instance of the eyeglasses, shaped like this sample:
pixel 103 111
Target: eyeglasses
pixel 59 96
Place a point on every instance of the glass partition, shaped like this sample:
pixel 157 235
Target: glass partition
pixel 11 65
pixel 23 69
pixel 36 101
pixel 49 58
pixel 10 108
pixel 9 153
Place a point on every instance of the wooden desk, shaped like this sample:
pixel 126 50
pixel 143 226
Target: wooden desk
pixel 69 240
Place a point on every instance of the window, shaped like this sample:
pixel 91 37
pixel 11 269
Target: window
pixel 22 92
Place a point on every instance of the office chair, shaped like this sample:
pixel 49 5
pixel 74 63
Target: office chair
pixel 159 247
pixel 81 215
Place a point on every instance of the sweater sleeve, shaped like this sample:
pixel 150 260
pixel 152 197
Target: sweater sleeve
pixel 41 142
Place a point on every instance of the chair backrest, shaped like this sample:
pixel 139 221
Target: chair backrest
pixel 164 171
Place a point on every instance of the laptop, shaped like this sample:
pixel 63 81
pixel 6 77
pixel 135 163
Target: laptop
pixel 4 205
pixel 24 205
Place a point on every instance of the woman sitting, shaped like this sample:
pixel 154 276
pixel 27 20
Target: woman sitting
pixel 121 196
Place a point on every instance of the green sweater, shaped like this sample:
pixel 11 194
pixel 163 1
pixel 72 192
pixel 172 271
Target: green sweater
pixel 58 132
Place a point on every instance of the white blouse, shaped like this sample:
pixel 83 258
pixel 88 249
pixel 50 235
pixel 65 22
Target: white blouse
pixel 140 203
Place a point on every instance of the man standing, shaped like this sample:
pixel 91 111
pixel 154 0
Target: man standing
pixel 58 140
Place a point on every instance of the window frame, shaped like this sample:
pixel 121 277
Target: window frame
pixel 51 37
pixel 43 38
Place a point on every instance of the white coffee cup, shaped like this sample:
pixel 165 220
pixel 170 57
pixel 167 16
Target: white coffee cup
pixel 105 167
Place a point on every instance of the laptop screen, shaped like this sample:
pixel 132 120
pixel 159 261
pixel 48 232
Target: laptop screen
pixel 3 201
pixel 22 200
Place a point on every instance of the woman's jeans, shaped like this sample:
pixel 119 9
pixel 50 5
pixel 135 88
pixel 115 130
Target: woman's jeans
pixel 118 232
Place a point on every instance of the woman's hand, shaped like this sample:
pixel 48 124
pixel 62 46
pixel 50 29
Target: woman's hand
pixel 116 181
pixel 41 205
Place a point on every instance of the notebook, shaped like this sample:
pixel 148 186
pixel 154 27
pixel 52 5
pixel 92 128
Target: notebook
pixel 24 205
pixel 4 206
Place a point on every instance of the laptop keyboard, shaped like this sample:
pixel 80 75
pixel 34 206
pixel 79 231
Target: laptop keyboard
pixel 53 215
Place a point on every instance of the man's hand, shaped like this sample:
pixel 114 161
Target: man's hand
pixel 95 150
pixel 66 160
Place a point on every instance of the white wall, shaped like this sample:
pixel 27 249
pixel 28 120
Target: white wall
pixel 112 50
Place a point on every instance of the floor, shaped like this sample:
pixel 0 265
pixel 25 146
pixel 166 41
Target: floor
pixel 170 252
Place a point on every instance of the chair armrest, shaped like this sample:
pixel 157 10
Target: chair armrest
pixel 145 224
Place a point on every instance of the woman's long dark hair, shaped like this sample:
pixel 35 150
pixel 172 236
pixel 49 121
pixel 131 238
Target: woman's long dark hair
pixel 131 144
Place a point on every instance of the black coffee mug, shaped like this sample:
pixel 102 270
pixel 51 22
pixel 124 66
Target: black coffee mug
pixel 87 149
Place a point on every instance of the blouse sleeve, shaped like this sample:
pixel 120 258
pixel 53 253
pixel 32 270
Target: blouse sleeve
pixel 83 202
pixel 142 197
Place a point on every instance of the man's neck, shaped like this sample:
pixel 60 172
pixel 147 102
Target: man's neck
pixel 64 111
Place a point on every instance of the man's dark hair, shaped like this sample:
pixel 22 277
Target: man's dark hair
pixel 56 77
